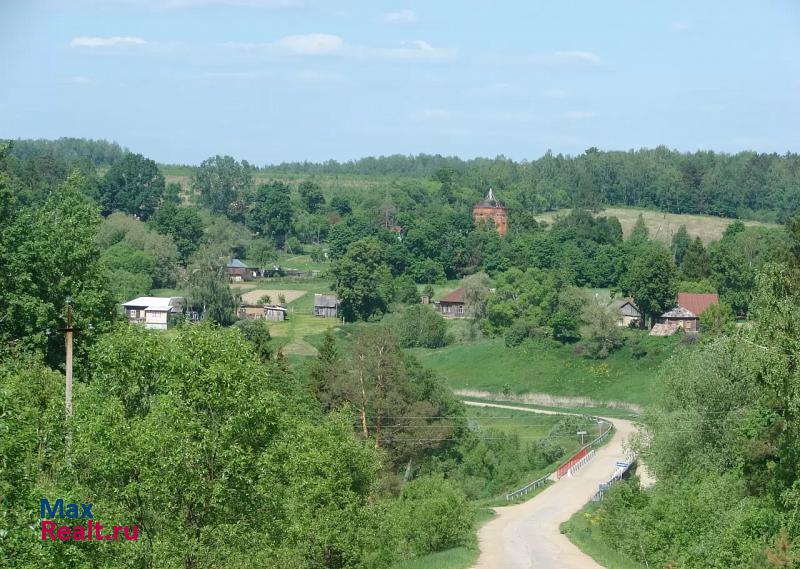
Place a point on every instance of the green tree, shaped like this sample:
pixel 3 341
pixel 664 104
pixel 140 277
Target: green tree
pixel 651 280
pixel 257 333
pixel 680 242
pixel 261 252
pixel 271 212
pixel 601 332
pixel 639 234
pixel 133 185
pixel 695 261
pixel 363 281
pixel 208 288
pixel 717 319
pixel 418 326
pixel 51 256
pixel 183 224
pixel 222 183
pixel 312 197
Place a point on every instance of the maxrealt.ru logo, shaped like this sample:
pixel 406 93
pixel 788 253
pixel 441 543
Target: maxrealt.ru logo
pixel 90 531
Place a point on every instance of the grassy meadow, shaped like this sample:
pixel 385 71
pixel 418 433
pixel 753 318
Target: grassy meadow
pixel 662 225
pixel 544 366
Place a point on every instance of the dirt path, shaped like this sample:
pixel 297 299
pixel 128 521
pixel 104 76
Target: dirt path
pixel 526 536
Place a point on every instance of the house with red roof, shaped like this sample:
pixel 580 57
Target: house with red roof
pixel 453 305
pixel 686 314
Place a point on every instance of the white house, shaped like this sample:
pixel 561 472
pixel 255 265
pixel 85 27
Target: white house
pixel 152 311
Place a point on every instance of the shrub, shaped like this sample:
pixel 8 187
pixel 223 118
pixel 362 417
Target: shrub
pixel 419 326
pixel 434 515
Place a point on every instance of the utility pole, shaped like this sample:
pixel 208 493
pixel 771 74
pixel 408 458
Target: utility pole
pixel 582 434
pixel 68 334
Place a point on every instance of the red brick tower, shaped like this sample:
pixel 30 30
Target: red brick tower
pixel 494 209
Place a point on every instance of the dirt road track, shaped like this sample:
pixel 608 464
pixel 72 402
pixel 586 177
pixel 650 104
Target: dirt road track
pixel 526 536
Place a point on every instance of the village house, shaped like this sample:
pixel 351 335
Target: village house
pixel 326 305
pixel 686 315
pixel 453 305
pixel 154 312
pixel 271 312
pixel 238 271
pixel 491 209
pixel 627 312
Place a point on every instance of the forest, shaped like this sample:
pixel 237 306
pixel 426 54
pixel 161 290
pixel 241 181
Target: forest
pixel 359 456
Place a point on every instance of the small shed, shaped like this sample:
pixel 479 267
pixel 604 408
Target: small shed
pixel 272 312
pixel 453 305
pixel 326 305
pixel 275 313
pixel 676 319
pixel 627 312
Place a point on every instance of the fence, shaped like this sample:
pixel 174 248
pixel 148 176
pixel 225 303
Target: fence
pixel 585 456
pixel 619 474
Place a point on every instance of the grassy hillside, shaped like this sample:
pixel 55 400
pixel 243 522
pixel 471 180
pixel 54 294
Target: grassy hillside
pixel 662 225
pixel 548 367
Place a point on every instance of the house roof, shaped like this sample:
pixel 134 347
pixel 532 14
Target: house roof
pixel 695 302
pixel 236 264
pixel 326 300
pixel 455 296
pixel 620 302
pixel 280 308
pixel 679 312
pixel 153 302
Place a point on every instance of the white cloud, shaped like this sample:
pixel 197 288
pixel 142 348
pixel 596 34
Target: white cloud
pixel 681 26
pixel 561 58
pixel 104 42
pixel 329 44
pixel 309 77
pixel 311 44
pixel 412 50
pixel 400 17
pixel 579 115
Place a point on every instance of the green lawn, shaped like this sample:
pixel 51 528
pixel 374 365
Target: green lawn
pixel 582 530
pixel 544 366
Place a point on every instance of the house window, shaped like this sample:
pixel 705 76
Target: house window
pixel 132 314
pixel 461 309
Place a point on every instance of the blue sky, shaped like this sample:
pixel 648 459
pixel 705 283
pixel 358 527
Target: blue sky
pixel 275 80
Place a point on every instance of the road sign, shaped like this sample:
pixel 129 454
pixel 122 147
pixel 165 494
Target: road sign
pixel 623 464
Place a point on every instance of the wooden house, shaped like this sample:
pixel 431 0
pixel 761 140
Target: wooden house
pixel 686 315
pixel 155 312
pixel 628 313
pixel 238 271
pixel 326 305
pixel 453 305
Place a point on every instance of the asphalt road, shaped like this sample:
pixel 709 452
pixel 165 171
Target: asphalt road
pixel 526 536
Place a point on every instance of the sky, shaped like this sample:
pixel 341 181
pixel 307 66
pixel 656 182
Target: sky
pixel 294 80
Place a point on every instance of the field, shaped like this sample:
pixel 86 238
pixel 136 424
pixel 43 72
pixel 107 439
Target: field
pixel 546 367
pixel 253 296
pixel 663 226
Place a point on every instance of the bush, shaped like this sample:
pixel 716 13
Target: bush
pixel 406 291
pixel 419 326
pixel 257 333
pixel 434 515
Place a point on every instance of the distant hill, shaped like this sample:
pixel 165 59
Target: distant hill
pixel 97 152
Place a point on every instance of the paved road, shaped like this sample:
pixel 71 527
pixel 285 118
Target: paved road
pixel 526 536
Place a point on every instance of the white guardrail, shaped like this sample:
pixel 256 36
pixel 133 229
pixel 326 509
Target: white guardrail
pixel 622 469
pixel 543 480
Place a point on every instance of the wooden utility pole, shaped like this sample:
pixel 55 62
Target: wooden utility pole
pixel 68 334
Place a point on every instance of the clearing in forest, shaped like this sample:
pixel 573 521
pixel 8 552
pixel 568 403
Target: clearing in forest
pixel 662 226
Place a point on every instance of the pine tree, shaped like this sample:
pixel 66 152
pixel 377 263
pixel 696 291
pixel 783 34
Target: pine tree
pixel 680 242
pixel 695 261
